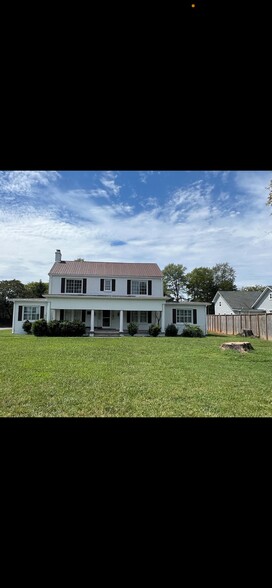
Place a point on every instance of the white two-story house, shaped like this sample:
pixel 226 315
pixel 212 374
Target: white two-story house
pixel 108 296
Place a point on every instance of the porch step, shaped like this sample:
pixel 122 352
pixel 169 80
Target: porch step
pixel 106 333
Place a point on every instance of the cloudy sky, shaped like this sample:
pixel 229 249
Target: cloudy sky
pixel 196 218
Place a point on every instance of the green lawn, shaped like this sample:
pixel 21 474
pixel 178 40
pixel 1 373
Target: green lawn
pixel 127 377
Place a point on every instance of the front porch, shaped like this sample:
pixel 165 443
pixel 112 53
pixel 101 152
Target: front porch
pixel 109 322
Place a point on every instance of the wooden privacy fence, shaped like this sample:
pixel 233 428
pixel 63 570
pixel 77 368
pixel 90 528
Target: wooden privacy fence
pixel 234 324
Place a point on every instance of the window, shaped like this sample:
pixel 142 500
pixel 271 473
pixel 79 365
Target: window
pixel 143 316
pixel 219 303
pixel 107 285
pixel 139 287
pixel 31 313
pixel 270 296
pixel 184 316
pixel 73 286
pixel 134 316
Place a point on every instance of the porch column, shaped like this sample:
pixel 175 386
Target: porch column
pixel 92 321
pixel 15 313
pixel 121 324
pixel 163 319
pixel 48 312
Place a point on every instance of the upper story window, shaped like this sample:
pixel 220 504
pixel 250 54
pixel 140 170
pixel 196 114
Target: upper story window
pixel 107 285
pixel 270 296
pixel 184 316
pixel 138 287
pixel 219 303
pixel 73 286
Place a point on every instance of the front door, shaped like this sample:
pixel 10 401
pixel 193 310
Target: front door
pixel 106 318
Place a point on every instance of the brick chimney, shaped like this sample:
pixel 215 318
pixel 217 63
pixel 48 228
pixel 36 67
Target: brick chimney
pixel 58 255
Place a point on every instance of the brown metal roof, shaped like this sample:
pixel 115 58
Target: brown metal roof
pixel 105 269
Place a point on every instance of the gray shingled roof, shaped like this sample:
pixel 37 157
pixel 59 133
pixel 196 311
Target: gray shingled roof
pixel 240 300
pixel 105 269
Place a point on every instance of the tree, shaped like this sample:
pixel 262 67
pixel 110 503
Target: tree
pixel 224 276
pixel 79 259
pixel 253 288
pixel 36 289
pixel 269 198
pixel 174 279
pixel 9 289
pixel 200 284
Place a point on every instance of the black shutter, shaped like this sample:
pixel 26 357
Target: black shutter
pixel 149 287
pixel 174 316
pixel 84 285
pixel 20 313
pixel 83 316
pixel 61 314
pixel 128 316
pixel 101 285
pixel 41 312
pixel 149 320
pixel 195 316
pixel 62 285
pixel 113 285
pixel 129 287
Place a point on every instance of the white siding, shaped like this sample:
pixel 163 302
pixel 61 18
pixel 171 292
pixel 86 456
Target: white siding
pixel 266 303
pixel 224 308
pixel 93 285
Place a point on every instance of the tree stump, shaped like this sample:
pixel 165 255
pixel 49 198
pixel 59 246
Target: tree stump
pixel 238 346
pixel 247 333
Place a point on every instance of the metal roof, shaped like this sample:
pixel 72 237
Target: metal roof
pixel 105 269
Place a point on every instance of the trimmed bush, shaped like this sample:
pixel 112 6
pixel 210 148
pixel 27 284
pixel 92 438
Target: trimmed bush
pixel 154 330
pixel 39 328
pixel 27 326
pixel 54 329
pixel 171 330
pixel 132 329
pixel 71 329
pixel 192 331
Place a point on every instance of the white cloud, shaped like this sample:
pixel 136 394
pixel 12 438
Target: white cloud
pixel 108 180
pixel 25 182
pixel 193 226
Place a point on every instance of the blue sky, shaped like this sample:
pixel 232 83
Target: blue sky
pixel 196 218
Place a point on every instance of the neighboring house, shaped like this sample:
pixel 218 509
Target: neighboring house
pixel 242 302
pixel 107 295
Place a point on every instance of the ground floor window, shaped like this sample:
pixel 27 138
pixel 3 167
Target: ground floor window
pixel 31 313
pixel 184 316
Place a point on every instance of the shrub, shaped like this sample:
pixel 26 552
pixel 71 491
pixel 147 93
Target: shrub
pixel 171 330
pixel 39 328
pixel 71 329
pixel 132 329
pixel 54 328
pixel 154 330
pixel 27 326
pixel 192 331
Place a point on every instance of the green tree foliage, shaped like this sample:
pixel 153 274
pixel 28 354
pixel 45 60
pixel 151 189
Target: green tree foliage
pixel 174 280
pixel 224 277
pixel 269 198
pixel 200 284
pixel 36 289
pixel 253 288
pixel 9 289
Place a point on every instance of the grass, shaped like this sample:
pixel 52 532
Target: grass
pixel 131 377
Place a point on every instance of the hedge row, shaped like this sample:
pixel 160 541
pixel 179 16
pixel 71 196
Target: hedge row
pixel 42 328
